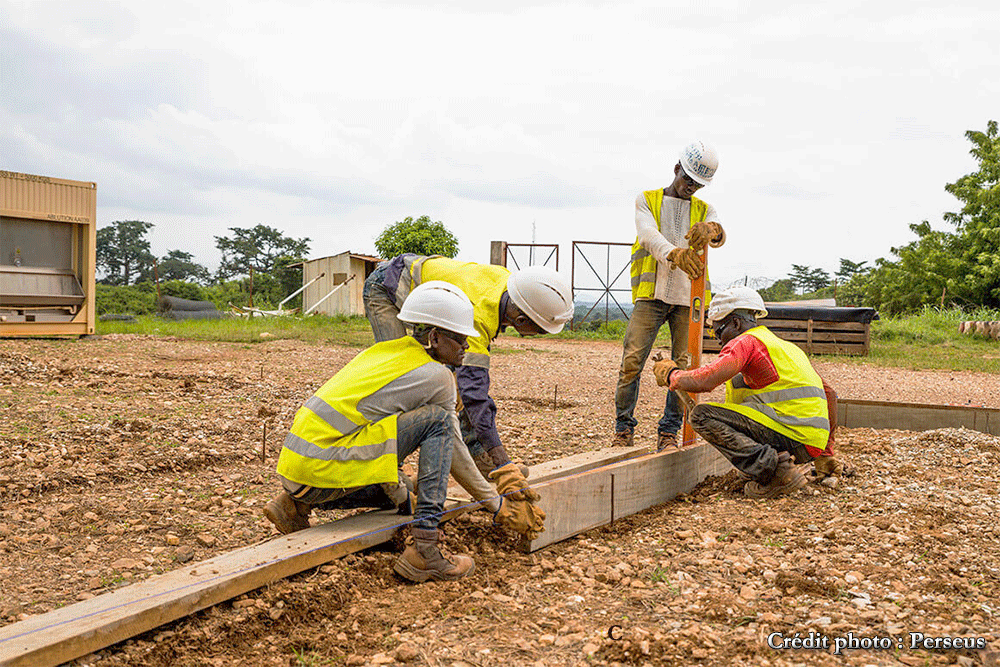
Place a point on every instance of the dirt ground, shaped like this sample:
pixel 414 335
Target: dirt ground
pixel 122 457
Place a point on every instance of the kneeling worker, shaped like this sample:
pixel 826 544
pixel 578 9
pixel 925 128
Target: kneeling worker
pixel 390 400
pixel 777 408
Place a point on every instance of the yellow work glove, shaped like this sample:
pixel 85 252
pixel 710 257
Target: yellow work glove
pixel 661 370
pixel 705 233
pixel 521 516
pixel 687 260
pixel 511 483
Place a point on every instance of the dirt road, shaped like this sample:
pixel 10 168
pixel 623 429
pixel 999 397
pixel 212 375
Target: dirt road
pixel 123 456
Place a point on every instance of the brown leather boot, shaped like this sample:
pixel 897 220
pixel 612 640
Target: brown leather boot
pixel 623 439
pixel 665 442
pixel 287 514
pixel 424 559
pixel 787 479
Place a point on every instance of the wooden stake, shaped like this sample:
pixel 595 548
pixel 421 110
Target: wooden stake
pixel 555 396
pixel 263 445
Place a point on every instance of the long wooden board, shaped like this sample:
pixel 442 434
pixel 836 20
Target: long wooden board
pixel 852 413
pixel 67 633
pixel 594 498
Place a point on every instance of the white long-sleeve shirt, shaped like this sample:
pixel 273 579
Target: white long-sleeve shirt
pixel 672 285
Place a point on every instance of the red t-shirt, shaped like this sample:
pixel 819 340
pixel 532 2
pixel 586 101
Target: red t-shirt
pixel 749 356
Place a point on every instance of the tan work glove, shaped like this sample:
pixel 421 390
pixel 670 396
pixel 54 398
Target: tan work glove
pixel 512 485
pixel 521 517
pixel 687 260
pixel 827 470
pixel 705 233
pixel 661 370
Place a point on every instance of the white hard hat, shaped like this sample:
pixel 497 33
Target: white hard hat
pixel 699 161
pixel 440 304
pixel 735 298
pixel 543 296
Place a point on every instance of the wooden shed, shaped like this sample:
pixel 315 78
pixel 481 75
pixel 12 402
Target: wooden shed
pixel 48 232
pixel 324 275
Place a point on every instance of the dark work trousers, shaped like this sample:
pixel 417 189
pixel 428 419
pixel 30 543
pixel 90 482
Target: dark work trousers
pixel 750 446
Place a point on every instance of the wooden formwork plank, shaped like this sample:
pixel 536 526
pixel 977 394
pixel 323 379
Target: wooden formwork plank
pixel 67 633
pixel 594 498
pixel 852 413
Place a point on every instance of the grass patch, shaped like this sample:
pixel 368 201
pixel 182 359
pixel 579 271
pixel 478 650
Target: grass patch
pixel 925 340
pixel 351 331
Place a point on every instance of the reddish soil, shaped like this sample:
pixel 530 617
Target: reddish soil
pixel 123 456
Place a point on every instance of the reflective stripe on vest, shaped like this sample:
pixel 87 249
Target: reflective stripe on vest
pixel 794 405
pixel 331 444
pixel 644 265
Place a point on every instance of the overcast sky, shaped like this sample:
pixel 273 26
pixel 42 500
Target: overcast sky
pixel 837 124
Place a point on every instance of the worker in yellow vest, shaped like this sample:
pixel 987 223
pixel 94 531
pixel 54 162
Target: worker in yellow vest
pixel 347 441
pixel 669 223
pixel 535 300
pixel 778 412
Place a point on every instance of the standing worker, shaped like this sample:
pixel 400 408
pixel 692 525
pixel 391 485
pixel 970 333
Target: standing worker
pixel 534 301
pixel 777 408
pixel 396 397
pixel 671 226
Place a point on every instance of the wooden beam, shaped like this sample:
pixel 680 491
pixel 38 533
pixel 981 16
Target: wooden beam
pixel 70 632
pixel 852 413
pixel 580 502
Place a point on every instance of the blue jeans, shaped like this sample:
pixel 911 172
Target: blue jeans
pixel 427 428
pixel 643 326
pixel 379 308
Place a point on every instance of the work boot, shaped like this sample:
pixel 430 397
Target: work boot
pixel 787 479
pixel 665 441
pixel 424 559
pixel 623 438
pixel 287 514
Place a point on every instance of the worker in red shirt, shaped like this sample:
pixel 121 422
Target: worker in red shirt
pixel 778 412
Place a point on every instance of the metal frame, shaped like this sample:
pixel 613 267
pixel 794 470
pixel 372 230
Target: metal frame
pixel 532 246
pixel 606 281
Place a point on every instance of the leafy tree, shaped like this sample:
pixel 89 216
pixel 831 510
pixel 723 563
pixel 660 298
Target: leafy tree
pixel 779 290
pixel 849 269
pixel 816 280
pixel 961 268
pixel 258 248
pixel 123 251
pixel 180 265
pixel 420 236
pixel 800 276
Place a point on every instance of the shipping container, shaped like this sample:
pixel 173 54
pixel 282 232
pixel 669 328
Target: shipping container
pixel 48 233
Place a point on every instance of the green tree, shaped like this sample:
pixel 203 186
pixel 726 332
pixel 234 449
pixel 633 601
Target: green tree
pixel 420 236
pixel 180 265
pixel 258 248
pixel 961 267
pixel 816 280
pixel 800 276
pixel 849 269
pixel 779 290
pixel 123 251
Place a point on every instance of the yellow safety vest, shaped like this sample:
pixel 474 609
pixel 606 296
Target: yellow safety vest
pixel 793 405
pixel 644 265
pixel 331 445
pixel 484 284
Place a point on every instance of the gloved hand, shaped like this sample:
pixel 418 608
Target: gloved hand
pixel 702 233
pixel 511 483
pixel 662 370
pixel 521 516
pixel 687 260
pixel 827 470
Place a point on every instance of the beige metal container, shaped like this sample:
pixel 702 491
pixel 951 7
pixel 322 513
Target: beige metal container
pixel 48 232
